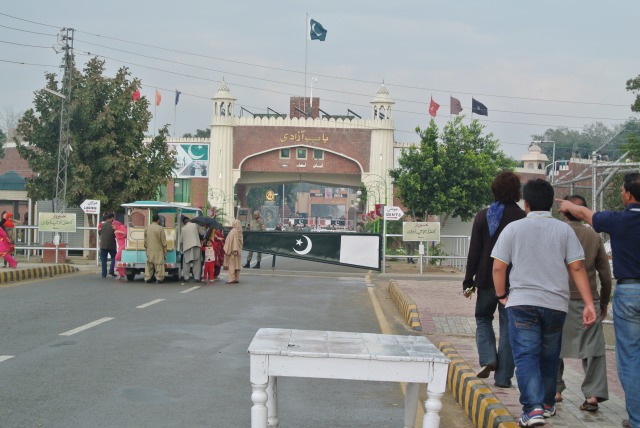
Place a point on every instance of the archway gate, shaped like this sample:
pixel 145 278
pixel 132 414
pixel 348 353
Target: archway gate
pixel 330 151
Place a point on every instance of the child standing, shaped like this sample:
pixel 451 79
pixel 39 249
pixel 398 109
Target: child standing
pixel 209 261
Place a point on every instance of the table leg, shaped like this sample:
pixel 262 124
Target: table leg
pixel 272 402
pixel 432 407
pixel 410 404
pixel 259 409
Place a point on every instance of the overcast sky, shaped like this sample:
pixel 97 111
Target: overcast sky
pixel 535 65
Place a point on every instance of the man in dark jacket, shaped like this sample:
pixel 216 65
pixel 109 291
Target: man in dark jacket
pixel 108 245
pixel 487 227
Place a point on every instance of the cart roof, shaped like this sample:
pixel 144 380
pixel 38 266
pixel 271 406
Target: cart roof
pixel 163 207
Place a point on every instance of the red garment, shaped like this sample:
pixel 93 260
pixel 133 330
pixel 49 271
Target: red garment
pixel 120 231
pixel 208 273
pixel 5 249
pixel 218 247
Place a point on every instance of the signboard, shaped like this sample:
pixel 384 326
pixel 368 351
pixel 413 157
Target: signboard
pixel 392 213
pixel 422 231
pixel 56 222
pixel 91 206
pixel 192 160
pixel 347 249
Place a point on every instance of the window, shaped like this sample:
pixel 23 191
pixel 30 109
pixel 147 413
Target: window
pixel 318 154
pixel 285 153
pixel 162 193
pixel 182 190
pixel 301 154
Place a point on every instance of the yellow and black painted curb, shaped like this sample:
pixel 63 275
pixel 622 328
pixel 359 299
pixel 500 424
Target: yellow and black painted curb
pixel 13 275
pixel 406 305
pixel 483 408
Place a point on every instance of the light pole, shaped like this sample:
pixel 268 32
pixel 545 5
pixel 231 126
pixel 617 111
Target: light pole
pixel 375 181
pixel 214 194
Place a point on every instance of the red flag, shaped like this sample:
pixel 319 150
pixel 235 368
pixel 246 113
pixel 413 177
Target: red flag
pixel 456 107
pixel 136 95
pixel 364 217
pixel 379 210
pixel 158 97
pixel 433 107
pixel 372 215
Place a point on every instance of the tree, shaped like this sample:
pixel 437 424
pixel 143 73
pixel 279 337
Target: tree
pixel 8 121
pixel 449 173
pixel 3 139
pixel 200 133
pixel 108 160
pixel 580 144
pixel 633 85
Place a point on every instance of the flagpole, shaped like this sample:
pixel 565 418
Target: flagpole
pixel 175 106
pixel 306 48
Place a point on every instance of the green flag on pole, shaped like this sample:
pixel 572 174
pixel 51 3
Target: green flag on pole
pixel 317 31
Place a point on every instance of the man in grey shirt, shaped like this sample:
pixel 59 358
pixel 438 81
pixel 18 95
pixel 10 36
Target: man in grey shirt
pixel 540 248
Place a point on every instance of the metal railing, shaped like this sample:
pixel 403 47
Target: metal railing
pixel 455 247
pixel 28 241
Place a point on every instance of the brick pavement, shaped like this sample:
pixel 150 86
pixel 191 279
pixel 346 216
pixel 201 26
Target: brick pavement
pixel 447 316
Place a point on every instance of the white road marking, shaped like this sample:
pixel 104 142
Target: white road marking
pixel 5 357
pixel 191 289
pixel 86 326
pixel 153 302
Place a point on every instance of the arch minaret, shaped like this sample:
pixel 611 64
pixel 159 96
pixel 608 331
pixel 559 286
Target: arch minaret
pixel 381 154
pixel 221 179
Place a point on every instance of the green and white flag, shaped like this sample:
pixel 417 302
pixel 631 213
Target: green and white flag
pixel 317 31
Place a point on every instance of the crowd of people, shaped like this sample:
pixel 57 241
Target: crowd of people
pixel 541 274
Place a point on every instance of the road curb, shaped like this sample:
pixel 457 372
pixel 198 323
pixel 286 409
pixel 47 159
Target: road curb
pixel 477 400
pixel 406 305
pixel 483 408
pixel 18 274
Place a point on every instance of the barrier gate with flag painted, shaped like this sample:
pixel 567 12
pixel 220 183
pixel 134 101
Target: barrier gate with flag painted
pixel 347 249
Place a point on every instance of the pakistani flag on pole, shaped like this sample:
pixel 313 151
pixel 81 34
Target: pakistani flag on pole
pixel 478 108
pixel 317 31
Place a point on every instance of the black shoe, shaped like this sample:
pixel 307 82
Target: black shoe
pixel 113 274
pixel 485 371
pixel 159 282
pixel 256 266
pixel 246 265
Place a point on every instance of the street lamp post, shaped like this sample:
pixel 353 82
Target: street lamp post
pixel 214 194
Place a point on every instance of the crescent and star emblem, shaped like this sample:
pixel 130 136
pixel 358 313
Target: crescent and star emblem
pixel 190 152
pixel 299 243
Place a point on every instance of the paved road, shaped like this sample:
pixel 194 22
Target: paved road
pixel 165 355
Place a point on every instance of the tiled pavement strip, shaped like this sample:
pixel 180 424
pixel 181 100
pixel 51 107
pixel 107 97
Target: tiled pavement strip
pixel 447 317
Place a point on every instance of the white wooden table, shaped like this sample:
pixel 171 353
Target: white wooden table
pixel 343 355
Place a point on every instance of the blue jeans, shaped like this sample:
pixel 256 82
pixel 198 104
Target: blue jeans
pixel 536 336
pixel 103 258
pixel 486 304
pixel 626 322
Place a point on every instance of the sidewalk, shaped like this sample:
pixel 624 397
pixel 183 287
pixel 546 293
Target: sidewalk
pixel 446 316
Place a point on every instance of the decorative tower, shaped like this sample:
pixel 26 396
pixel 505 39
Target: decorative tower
pixel 221 176
pixel 535 160
pixel 377 179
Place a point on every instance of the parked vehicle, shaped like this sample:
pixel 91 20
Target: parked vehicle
pixel 137 217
